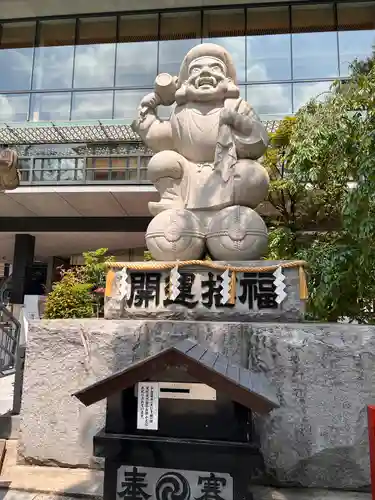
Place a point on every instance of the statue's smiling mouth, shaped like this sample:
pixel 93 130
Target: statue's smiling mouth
pixel 205 81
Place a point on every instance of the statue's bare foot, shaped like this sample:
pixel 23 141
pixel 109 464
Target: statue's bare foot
pixel 175 234
pixel 155 207
pixel 237 233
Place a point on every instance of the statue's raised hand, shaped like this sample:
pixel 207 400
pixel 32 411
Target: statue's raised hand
pixel 227 117
pixel 149 102
pixel 240 123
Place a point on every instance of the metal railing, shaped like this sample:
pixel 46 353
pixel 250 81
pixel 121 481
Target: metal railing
pixel 10 329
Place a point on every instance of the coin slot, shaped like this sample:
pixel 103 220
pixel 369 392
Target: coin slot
pixel 174 390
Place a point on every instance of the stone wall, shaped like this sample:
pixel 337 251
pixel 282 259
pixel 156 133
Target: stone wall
pixel 325 376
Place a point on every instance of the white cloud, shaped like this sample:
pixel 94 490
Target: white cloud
pixel 304 92
pixel 94 65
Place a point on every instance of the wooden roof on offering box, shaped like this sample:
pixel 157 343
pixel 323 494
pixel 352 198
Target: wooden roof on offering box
pixel 248 388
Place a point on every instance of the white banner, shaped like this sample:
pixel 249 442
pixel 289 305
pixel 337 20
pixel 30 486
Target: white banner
pixel 148 406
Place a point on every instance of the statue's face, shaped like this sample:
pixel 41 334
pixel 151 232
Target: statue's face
pixel 207 79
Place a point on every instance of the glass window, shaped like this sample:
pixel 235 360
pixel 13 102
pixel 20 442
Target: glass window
pixel 271 101
pixel 53 67
pixel 126 104
pixel 14 107
pixel 92 105
pixel 98 169
pixel 137 52
pixel 17 35
pixel 56 170
pixel 315 55
pixel 318 17
pixel 79 174
pixel 50 106
pixel 269 58
pixel 226 27
pixel 94 64
pixel 356 16
pixel 354 45
pixel 223 23
pixel 304 92
pixel 125 168
pixel 267 20
pixel 68 170
pixel 25 168
pixel 50 170
pixel 178 34
pixel 16 55
pixel 94 30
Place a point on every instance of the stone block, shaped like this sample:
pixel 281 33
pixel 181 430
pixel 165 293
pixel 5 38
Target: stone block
pixel 254 299
pixel 325 377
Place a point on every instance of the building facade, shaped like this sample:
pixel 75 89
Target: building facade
pixel 97 68
pixel 72 79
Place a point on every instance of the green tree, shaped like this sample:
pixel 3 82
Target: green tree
pixel 95 266
pixel 332 145
pixel 295 206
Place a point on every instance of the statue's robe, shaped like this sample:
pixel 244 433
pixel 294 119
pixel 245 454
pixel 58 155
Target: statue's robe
pixel 213 155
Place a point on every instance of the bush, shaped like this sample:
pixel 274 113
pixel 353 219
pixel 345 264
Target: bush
pixel 70 298
pixel 80 293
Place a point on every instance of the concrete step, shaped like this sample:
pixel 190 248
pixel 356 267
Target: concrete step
pixel 51 481
pixel 10 494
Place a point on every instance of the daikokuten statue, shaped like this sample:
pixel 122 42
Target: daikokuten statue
pixel 205 164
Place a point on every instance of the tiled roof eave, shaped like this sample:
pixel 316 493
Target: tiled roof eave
pixel 104 131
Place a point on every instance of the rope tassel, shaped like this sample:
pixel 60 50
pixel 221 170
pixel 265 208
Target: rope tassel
pixel 303 290
pixel 111 275
pixel 233 286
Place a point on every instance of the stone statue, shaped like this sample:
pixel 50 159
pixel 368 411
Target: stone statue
pixel 204 166
pixel 9 178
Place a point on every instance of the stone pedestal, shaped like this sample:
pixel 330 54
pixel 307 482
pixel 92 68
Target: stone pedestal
pixel 324 374
pixel 201 295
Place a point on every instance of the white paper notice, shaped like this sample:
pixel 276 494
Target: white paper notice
pixel 148 406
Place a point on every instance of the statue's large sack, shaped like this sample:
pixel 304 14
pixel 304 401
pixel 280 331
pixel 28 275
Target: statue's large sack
pixel 9 177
